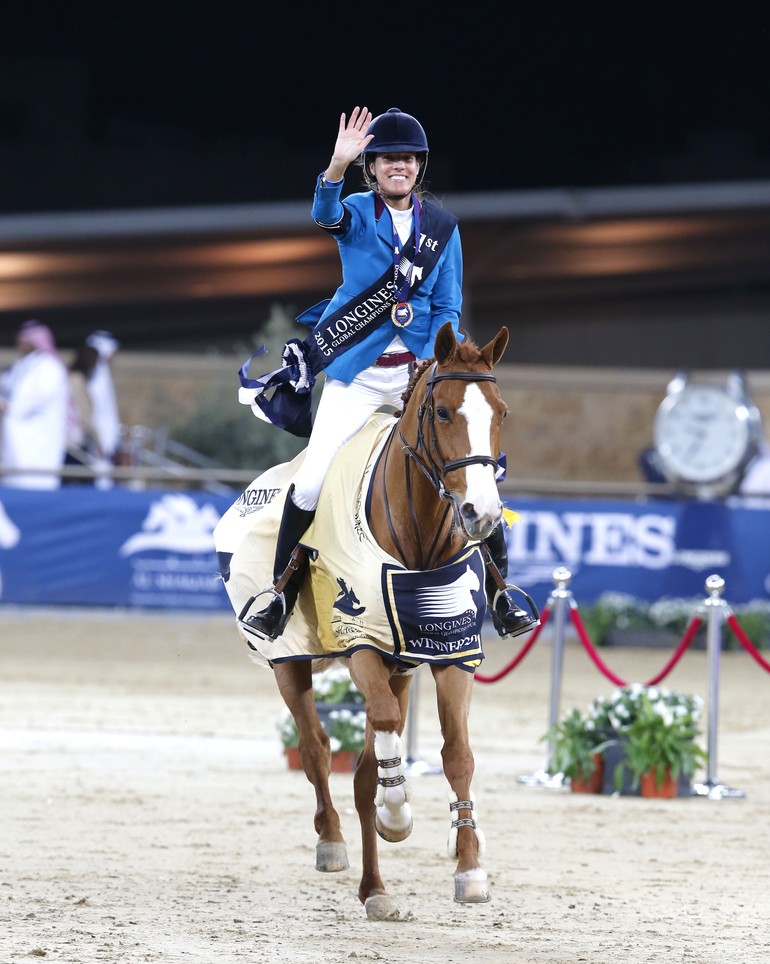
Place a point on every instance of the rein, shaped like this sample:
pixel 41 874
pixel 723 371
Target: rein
pixel 433 466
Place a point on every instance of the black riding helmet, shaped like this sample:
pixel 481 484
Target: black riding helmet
pixel 396 133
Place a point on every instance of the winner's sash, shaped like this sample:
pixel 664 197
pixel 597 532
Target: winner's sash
pixel 283 397
pixel 352 322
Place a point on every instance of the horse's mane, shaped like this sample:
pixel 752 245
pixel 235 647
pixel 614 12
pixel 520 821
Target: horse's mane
pixel 416 376
pixel 468 352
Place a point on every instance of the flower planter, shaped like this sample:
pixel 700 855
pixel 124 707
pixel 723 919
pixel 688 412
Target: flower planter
pixel 614 756
pixel 343 761
pixel 592 783
pixel 637 729
pixel 648 785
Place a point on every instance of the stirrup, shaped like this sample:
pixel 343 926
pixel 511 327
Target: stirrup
pixel 525 621
pixel 250 625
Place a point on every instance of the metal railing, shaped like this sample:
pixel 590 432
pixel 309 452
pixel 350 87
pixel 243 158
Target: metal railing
pixel 151 458
pixel 148 457
pixel 154 468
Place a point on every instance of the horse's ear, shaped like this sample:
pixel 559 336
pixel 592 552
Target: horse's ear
pixel 445 345
pixel 493 352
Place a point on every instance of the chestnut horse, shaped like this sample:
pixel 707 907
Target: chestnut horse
pixel 432 494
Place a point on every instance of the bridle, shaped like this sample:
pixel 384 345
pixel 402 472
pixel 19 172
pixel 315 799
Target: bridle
pixel 434 470
pixel 432 464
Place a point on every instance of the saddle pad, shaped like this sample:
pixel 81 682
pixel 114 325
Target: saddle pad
pixel 437 616
pixel 357 594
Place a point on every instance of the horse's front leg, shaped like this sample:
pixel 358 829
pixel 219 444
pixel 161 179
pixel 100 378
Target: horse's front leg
pixel 454 689
pixel 295 683
pixel 380 807
pixel 370 673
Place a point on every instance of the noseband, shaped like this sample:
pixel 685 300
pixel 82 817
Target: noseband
pixel 433 466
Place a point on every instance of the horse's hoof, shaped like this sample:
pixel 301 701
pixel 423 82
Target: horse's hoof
pixel 381 907
pixel 331 857
pixel 393 834
pixel 472 887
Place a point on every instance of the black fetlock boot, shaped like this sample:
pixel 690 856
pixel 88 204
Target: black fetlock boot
pixel 271 621
pixel 508 618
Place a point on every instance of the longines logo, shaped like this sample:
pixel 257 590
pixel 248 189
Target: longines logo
pixel 542 539
pixel 253 499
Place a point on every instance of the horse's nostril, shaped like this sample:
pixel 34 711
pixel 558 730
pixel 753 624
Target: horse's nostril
pixel 468 511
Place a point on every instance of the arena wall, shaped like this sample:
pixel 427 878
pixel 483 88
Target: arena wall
pixel 566 423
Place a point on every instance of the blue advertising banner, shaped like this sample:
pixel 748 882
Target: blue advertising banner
pixel 651 550
pixel 114 547
pixel 154 548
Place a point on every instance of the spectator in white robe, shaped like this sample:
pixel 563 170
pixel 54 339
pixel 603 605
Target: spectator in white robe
pixel 34 399
pixel 101 388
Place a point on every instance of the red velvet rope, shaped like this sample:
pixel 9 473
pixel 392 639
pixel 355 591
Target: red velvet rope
pixel 690 632
pixel 695 624
pixel 545 613
pixel 747 644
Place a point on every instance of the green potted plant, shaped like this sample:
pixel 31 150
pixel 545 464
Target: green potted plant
pixel 340 706
pixel 657 730
pixel 578 744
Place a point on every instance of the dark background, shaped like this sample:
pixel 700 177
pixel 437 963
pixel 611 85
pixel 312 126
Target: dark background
pixel 167 104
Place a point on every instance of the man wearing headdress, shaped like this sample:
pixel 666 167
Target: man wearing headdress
pixel 34 398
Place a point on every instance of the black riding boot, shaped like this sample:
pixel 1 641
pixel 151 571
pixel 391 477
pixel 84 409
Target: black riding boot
pixel 271 621
pixel 507 617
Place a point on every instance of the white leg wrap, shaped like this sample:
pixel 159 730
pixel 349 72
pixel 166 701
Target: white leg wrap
pixel 451 846
pixel 394 815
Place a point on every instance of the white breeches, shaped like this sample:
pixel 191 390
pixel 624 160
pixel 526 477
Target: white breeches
pixel 343 409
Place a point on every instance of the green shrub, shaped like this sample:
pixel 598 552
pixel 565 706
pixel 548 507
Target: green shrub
pixel 614 610
pixel 227 432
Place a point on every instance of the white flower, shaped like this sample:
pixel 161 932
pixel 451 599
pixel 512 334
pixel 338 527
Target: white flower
pixel 664 712
pixel 697 706
pixel 334 685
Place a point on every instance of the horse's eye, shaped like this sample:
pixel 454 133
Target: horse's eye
pixel 442 414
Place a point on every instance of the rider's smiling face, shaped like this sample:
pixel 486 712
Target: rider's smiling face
pixel 395 174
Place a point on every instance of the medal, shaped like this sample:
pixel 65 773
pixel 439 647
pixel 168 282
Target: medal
pixel 402 314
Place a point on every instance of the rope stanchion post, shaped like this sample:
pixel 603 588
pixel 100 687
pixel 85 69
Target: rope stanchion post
pixel 559 602
pixel 414 765
pixel 712 789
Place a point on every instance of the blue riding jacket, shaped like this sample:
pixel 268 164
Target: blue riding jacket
pixel 366 251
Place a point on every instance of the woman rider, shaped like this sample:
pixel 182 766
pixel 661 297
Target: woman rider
pixel 402 280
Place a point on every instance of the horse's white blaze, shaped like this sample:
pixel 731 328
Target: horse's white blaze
pixel 481 489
